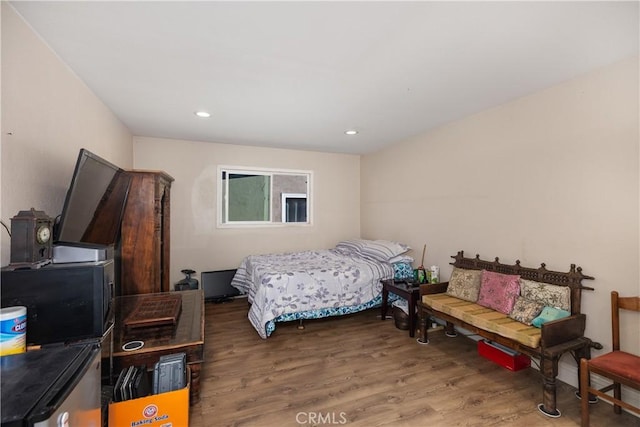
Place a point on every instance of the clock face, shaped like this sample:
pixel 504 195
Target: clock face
pixel 43 234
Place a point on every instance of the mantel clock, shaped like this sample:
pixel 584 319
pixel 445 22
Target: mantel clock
pixel 31 239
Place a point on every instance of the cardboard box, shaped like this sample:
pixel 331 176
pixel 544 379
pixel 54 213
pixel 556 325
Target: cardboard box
pixel 503 356
pixel 169 409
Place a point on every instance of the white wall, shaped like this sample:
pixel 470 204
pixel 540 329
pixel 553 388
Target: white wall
pixel 196 243
pixel 552 177
pixel 48 114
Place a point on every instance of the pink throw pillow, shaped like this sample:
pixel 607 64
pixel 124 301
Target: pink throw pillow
pixel 499 291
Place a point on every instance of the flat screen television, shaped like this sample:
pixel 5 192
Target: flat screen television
pixel 94 203
pixel 217 285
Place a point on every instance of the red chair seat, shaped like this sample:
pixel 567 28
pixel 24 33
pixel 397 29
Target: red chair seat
pixel 618 367
pixel 620 363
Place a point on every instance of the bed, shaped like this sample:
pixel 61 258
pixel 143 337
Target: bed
pixel 318 283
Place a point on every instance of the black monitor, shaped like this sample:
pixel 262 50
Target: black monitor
pixel 217 285
pixel 94 203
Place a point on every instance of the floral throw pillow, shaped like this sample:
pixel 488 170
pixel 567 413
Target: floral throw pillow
pixel 551 295
pixel 525 310
pixel 499 291
pixel 464 284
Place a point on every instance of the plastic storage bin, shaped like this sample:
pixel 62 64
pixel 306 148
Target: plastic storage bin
pixel 503 356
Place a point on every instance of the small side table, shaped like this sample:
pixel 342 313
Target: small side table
pixel 408 291
pixel 186 336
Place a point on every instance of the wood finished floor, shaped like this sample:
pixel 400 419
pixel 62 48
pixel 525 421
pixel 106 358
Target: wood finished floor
pixel 359 371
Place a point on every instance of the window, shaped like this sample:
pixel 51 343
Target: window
pixel 254 196
pixel 294 207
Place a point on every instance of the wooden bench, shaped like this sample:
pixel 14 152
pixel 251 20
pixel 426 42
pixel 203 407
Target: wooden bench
pixel 556 338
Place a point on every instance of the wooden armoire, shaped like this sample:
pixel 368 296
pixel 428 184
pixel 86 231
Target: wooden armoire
pixel 144 234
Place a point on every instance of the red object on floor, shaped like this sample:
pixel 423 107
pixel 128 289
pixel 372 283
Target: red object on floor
pixel 513 362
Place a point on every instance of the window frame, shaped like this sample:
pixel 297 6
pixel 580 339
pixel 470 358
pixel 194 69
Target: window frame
pixel 283 205
pixel 248 170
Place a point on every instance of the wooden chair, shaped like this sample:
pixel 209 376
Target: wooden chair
pixel 620 367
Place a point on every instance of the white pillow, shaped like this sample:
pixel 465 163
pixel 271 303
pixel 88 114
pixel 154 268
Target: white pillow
pixel 351 245
pixel 380 250
pixel 406 259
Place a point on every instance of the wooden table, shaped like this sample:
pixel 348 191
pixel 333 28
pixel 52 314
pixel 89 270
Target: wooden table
pixel 186 336
pixel 408 291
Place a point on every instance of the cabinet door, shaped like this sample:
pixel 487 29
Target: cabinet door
pixel 145 234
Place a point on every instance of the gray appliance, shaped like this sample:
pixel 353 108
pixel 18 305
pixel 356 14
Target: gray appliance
pixel 55 386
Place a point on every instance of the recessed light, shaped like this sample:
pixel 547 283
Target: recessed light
pixel 351 132
pixel 202 114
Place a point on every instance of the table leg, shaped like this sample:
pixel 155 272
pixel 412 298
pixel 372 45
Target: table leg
pixel 383 306
pixel 412 315
pixel 194 392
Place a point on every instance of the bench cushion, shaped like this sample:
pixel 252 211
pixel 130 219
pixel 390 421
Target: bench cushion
pixel 484 318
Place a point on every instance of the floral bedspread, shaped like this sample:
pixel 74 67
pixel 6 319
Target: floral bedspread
pixel 310 281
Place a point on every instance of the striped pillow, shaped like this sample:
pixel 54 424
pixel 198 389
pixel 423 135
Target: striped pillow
pixel 379 250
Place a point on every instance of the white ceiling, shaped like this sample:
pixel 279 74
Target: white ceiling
pixel 298 74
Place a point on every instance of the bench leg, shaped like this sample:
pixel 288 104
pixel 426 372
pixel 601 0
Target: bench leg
pixel 450 330
pixel 549 370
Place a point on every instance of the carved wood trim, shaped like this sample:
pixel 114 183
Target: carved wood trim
pixel 573 278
